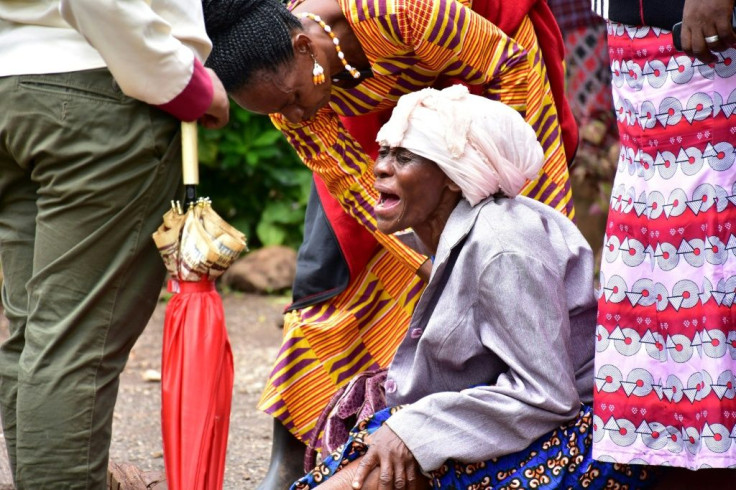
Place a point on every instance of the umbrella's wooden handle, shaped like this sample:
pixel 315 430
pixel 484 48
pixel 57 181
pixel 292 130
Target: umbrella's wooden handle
pixel 189 157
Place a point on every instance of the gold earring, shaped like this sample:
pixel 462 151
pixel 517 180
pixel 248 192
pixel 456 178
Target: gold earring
pixel 318 73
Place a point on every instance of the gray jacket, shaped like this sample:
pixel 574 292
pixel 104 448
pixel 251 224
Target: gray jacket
pixel 500 348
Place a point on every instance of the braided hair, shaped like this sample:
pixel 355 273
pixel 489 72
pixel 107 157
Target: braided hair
pixel 248 38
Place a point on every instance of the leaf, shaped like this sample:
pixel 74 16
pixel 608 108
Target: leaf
pixel 270 234
pixel 282 212
pixel 267 138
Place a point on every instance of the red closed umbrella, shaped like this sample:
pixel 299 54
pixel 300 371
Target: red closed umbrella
pixel 197 246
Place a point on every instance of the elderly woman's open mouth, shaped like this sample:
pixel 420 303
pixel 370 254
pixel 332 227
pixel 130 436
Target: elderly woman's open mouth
pixel 386 202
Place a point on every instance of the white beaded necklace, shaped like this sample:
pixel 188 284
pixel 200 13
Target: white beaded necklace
pixel 354 72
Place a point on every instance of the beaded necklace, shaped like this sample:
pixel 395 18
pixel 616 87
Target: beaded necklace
pixel 354 72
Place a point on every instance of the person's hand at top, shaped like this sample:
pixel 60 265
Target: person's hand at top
pixel 395 465
pixel 706 28
pixel 218 113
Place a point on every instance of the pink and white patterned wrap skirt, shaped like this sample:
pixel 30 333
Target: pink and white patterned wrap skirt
pixel 665 382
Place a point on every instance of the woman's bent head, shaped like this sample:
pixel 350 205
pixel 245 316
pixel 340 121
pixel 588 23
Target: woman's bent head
pixel 264 58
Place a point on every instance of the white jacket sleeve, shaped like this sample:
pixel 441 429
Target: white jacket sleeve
pixel 153 48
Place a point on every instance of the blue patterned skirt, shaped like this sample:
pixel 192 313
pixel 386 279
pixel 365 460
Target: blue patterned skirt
pixel 561 459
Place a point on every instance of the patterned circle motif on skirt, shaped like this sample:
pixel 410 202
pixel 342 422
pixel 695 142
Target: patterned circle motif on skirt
pixel 666 334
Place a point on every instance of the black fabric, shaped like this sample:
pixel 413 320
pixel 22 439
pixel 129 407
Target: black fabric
pixel 321 269
pixel 656 13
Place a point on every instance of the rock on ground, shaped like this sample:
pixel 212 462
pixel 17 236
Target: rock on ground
pixel 266 270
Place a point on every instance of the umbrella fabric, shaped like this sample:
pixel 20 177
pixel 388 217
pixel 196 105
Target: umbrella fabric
pixel 197 244
pixel 167 236
pixel 197 381
pixel 197 363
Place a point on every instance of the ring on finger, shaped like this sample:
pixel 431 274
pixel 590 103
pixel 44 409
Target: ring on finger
pixel 712 39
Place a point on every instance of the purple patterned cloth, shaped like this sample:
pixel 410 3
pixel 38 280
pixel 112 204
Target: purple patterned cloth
pixel 358 400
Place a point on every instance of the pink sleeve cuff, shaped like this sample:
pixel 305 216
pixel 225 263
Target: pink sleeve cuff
pixel 196 97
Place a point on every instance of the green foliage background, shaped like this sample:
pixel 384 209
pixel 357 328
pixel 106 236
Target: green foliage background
pixel 255 179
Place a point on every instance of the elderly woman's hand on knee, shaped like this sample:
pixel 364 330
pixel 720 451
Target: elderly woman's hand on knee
pixel 388 464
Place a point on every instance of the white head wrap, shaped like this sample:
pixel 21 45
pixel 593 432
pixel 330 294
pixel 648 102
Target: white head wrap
pixel 482 145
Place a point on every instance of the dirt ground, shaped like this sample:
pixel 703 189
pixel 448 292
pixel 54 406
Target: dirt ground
pixel 253 326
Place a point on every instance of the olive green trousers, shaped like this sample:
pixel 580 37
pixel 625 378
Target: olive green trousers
pixel 86 174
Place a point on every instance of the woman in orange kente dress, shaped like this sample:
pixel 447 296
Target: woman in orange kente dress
pixel 328 72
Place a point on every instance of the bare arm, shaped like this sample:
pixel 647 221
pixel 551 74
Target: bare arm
pixel 218 113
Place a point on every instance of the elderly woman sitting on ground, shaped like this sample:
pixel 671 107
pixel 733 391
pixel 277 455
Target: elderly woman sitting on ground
pixel 492 385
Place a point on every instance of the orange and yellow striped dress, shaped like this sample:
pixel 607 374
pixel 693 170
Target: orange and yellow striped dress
pixel 411 44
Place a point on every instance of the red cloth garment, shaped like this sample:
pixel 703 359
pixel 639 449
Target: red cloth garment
pixel 196 388
pixel 356 243
pixel 508 16
pixel 589 77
